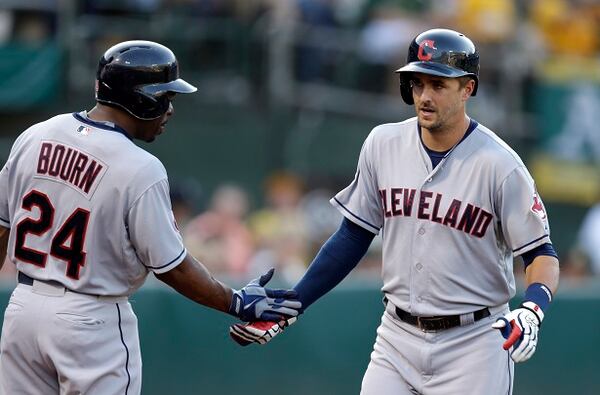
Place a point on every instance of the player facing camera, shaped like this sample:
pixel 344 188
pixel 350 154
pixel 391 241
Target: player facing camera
pixel 457 205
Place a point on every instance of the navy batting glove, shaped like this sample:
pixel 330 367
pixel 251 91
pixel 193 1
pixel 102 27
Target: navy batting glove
pixel 256 303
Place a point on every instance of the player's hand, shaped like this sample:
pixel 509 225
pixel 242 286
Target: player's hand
pixel 256 303
pixel 520 329
pixel 260 332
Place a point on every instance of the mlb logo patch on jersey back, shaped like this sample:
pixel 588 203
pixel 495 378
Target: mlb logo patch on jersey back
pixel 84 130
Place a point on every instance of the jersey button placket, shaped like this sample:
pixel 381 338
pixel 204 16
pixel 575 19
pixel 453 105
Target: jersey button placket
pixel 419 268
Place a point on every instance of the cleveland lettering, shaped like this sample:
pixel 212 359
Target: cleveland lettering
pixel 467 217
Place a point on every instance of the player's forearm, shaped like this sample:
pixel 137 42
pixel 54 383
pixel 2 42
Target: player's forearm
pixel 191 279
pixel 544 270
pixel 4 232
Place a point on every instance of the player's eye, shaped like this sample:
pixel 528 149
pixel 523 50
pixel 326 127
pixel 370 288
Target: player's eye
pixel 416 84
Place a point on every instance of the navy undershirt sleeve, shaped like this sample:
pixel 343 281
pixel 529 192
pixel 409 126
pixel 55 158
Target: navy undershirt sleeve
pixel 338 256
pixel 544 249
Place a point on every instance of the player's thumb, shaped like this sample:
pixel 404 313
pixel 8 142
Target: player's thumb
pixel 504 326
pixel 501 323
pixel 265 278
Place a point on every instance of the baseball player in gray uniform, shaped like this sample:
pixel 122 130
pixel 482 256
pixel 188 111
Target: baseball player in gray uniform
pixel 454 204
pixel 85 215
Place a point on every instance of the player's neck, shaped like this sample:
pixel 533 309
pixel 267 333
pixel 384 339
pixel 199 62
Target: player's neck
pixel 444 138
pixel 104 113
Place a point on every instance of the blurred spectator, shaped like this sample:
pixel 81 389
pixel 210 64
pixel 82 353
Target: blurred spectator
pixel 484 21
pixel 576 267
pixel 184 196
pixel 349 12
pixel 569 27
pixel 28 26
pixel 382 46
pixel 370 265
pixel 313 61
pixel 585 256
pixel 322 219
pixel 280 229
pixel 218 237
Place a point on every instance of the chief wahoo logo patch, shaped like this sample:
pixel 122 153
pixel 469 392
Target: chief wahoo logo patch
pixel 538 207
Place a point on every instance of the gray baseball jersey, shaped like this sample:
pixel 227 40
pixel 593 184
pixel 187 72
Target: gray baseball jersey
pixel 87 207
pixel 449 237
pixel 449 234
pixel 89 211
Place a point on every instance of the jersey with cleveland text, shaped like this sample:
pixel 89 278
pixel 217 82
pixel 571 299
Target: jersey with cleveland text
pixel 449 233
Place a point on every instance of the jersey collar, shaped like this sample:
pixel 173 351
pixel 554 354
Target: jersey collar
pixel 83 117
pixel 472 125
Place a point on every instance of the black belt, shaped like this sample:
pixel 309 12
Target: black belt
pixel 23 278
pixel 440 322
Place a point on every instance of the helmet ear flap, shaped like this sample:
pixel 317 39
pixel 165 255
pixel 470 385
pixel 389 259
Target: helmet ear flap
pixel 405 88
pixel 476 78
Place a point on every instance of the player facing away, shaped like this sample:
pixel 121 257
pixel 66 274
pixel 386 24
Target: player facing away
pixel 454 204
pixel 86 216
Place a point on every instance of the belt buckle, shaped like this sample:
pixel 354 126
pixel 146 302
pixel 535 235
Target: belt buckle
pixel 431 324
pixel 421 324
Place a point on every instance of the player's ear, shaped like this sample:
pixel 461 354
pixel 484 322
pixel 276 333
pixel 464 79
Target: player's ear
pixel 467 89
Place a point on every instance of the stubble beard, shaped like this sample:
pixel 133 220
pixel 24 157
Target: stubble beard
pixel 441 122
pixel 433 126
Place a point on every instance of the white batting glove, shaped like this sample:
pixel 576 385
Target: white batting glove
pixel 260 332
pixel 520 329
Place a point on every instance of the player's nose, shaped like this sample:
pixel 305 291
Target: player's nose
pixel 426 93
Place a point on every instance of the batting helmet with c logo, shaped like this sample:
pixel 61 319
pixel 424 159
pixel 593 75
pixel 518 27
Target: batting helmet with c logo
pixel 441 52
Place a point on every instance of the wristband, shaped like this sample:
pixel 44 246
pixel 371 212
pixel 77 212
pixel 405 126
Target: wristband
pixel 538 295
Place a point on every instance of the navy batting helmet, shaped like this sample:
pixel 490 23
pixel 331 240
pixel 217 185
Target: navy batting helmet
pixel 440 52
pixel 137 76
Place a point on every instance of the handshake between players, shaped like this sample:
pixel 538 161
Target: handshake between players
pixel 277 309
